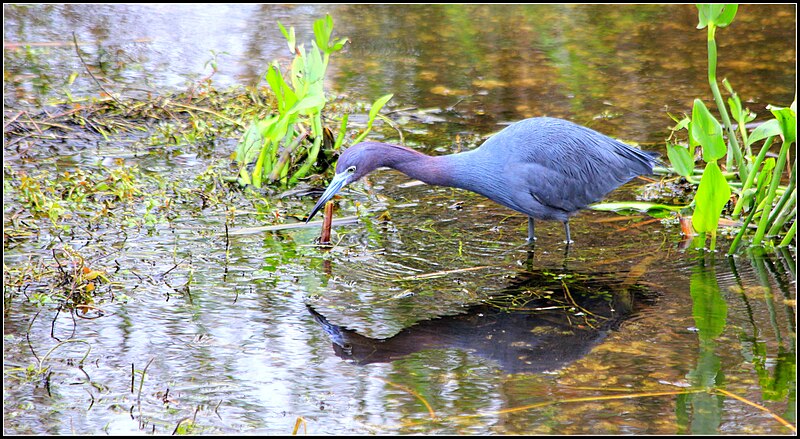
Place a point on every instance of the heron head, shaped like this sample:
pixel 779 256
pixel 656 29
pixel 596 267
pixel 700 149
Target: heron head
pixel 354 163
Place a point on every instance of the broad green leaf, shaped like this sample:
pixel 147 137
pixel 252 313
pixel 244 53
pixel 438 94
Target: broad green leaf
pixel 709 308
pixel 736 108
pixel 315 70
pixel 260 164
pixel 279 128
pixel 249 146
pixel 764 177
pixel 681 124
pixel 290 37
pixel 716 9
pixel 323 28
pixel 703 15
pixel 728 86
pixel 681 159
pixel 626 208
pixel 712 195
pixel 298 77
pixel 284 94
pixel 309 102
pixel 725 17
pixel 716 14
pixel 247 143
pixel 338 45
pixel 377 105
pixel 787 118
pixel 342 132
pixel 692 141
pixel 770 128
pixel 275 80
pixel 265 124
pixel 708 132
pixel 322 32
pixel 373 113
pixel 707 14
pixel 244 177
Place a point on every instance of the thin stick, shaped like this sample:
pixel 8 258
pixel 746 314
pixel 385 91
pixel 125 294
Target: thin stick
pixel 28 336
pixel 77 50
pixel 35 125
pixel 10 121
pixel 139 395
pixel 178 425
pixel 587 399
pixel 299 225
pixel 617 218
pixel 227 246
pixel 297 423
pixel 639 224
pixel 562 401
pixel 206 110
pixel 575 304
pixel 441 273
pixel 760 407
pixel 325 236
pixel 412 392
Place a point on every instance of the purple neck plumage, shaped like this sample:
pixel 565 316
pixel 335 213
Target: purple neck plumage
pixel 435 170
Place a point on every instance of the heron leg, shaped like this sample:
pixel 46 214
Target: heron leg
pixel 531 236
pixel 566 229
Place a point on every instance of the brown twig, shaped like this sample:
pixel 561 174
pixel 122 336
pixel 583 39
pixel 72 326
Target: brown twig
pixel 760 407
pixel 325 236
pixel 568 295
pixel 412 392
pixel 10 121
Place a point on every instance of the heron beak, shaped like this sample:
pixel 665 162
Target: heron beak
pixel 338 182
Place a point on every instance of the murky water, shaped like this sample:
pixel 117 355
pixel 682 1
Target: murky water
pixel 403 327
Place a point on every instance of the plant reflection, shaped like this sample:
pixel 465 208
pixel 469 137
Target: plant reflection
pixel 702 413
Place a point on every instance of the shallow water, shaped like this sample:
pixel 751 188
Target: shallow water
pixel 249 332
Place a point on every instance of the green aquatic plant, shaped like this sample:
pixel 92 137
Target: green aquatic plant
pixel 285 146
pixel 758 184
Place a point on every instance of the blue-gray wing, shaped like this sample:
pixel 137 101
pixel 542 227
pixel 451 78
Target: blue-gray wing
pixel 563 166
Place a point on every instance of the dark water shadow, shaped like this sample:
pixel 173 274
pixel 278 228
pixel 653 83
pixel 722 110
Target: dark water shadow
pixel 542 321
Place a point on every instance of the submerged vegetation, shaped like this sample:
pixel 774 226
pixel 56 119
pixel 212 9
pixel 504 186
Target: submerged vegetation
pixel 47 199
pixel 275 143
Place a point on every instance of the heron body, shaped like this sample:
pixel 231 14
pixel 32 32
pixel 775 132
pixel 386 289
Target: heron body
pixel 546 168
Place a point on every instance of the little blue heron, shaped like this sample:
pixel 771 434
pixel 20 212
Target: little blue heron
pixel 544 167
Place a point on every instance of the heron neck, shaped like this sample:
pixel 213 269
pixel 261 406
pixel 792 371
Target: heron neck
pixel 434 170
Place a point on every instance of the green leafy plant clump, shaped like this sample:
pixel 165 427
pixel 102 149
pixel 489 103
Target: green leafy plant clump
pixel 284 147
pixel 768 204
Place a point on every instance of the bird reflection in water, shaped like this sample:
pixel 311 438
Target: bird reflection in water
pixel 542 322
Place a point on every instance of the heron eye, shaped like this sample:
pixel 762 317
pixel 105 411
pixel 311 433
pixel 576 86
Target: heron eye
pixel 351 170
